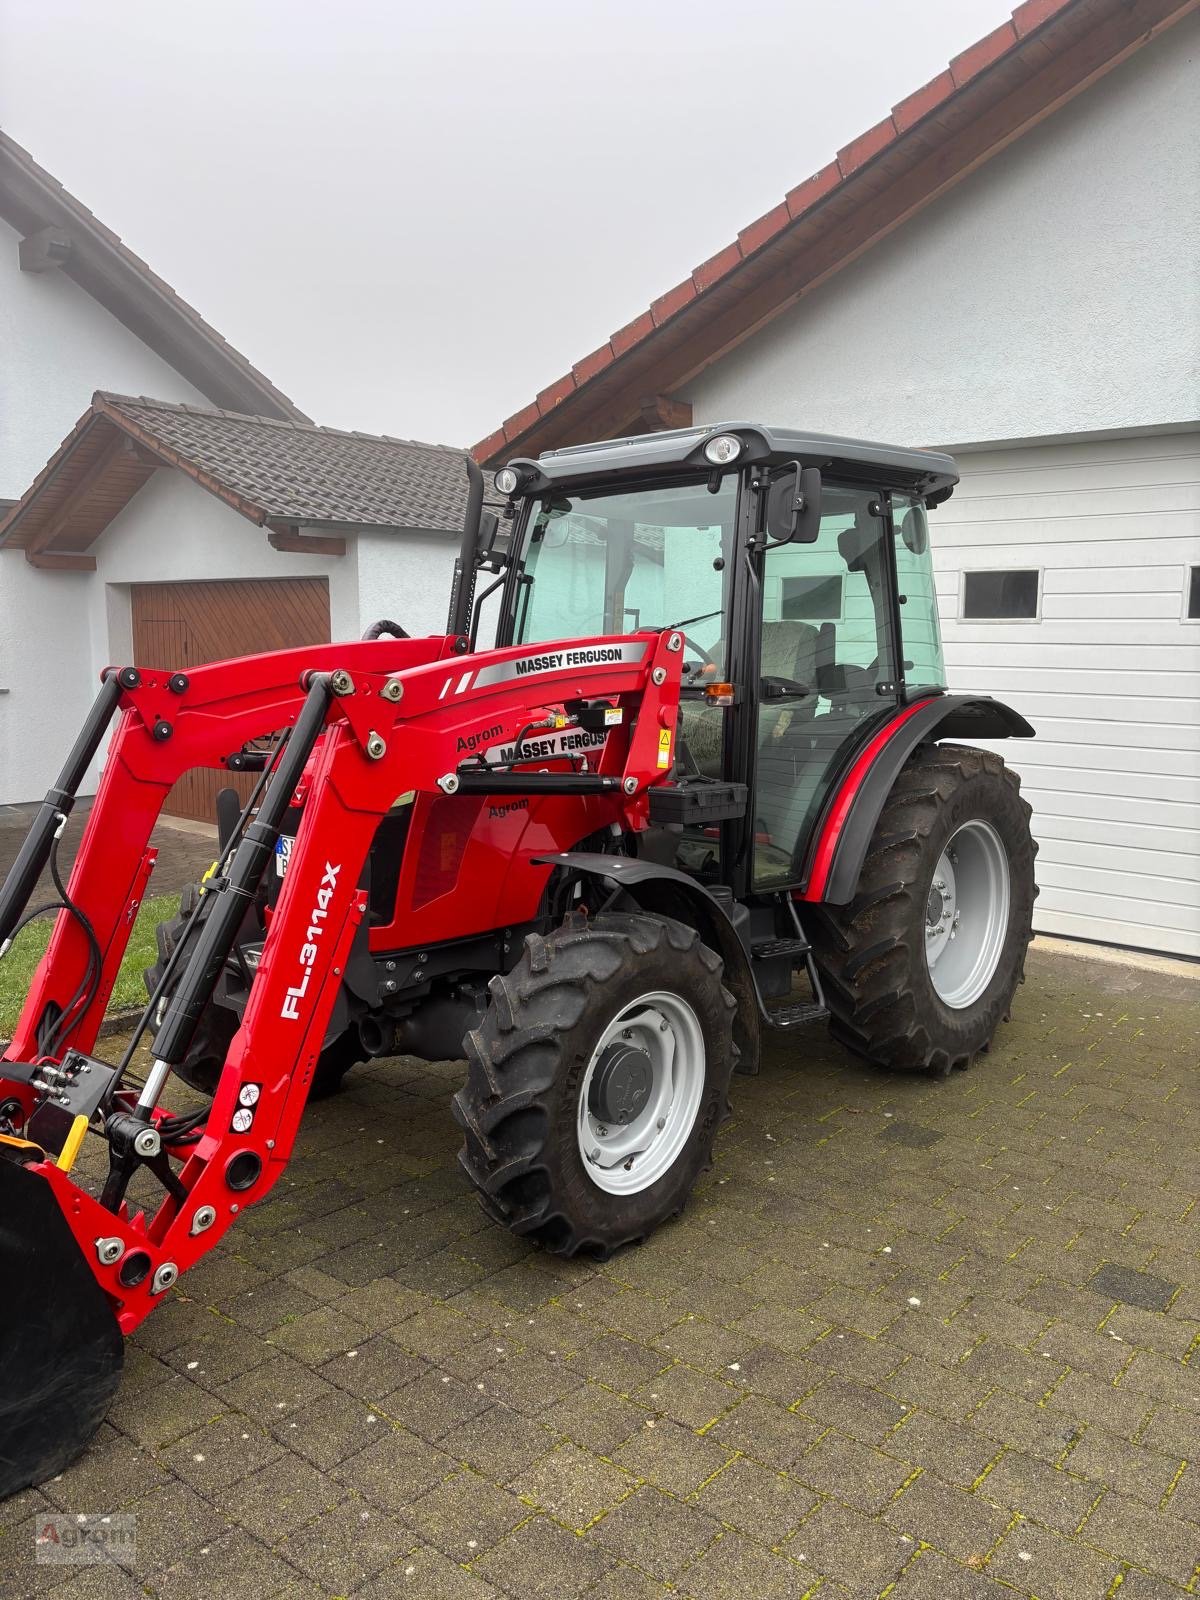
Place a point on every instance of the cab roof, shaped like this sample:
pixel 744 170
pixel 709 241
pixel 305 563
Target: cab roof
pixel 928 472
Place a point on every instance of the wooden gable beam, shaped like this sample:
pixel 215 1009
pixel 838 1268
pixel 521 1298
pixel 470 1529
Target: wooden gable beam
pixel 62 561
pixel 293 542
pixel 78 495
pixel 661 411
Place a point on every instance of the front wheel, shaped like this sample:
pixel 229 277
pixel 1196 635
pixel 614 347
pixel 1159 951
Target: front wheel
pixel 596 1082
pixel 920 968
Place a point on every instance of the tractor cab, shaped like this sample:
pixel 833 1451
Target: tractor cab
pixel 797 569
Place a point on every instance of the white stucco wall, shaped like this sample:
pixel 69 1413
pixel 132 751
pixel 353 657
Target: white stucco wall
pixel 58 630
pixel 406 577
pixel 57 346
pixel 1055 291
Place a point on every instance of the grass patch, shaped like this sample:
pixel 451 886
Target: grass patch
pixel 28 948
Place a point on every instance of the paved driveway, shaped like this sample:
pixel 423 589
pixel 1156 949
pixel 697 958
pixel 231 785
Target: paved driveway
pixel 926 1340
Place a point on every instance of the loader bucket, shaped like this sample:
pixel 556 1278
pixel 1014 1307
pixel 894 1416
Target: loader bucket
pixel 61 1350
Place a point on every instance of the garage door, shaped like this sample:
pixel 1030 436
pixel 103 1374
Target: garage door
pixel 181 625
pixel 1107 669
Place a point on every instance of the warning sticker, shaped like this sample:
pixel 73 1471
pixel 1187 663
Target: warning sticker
pixel 613 716
pixel 664 748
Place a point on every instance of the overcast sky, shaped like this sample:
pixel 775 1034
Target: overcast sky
pixel 413 217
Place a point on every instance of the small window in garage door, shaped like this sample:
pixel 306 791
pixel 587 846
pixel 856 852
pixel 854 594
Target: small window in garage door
pixel 181 625
pixel 1000 596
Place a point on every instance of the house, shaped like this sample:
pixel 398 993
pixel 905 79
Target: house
pixel 84 313
pixel 167 535
pixel 213 520
pixel 1005 266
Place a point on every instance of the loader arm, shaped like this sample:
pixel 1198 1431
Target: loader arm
pixel 371 721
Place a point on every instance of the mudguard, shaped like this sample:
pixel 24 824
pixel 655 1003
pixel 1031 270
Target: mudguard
pixel 661 889
pixel 845 831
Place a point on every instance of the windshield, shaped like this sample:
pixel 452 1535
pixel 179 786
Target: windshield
pixel 600 562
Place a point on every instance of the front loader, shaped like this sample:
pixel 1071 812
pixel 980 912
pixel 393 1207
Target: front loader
pixel 701 788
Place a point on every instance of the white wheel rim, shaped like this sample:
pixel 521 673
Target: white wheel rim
pixel 966 914
pixel 627 1157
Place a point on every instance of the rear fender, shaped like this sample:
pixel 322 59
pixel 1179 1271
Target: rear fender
pixel 845 831
pixel 666 892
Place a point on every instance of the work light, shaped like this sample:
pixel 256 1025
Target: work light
pixel 722 449
pixel 506 481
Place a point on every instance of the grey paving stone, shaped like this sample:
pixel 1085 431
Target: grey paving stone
pixel 1050 1496
pixel 425 1574
pixel 465 1515
pixel 930 1575
pixel 735 1566
pixel 348 1545
pixel 233 1563
pixel 859 1553
pixel 1129 1530
pixel 541 1561
pixel 655 1532
pixel 1133 1287
pixel 912 1135
pixel 954 1521
pixel 1054 1568
pixel 574 1486
pixel 221 1452
pixel 395 1469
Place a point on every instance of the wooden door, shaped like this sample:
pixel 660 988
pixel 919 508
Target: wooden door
pixel 182 625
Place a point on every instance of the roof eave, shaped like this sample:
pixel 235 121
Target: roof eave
pixel 1020 74
pixel 30 199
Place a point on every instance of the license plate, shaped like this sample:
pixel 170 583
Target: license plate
pixel 283 853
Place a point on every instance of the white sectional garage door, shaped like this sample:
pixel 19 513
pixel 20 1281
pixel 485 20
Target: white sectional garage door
pixel 1108 672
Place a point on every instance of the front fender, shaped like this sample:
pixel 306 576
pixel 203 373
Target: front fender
pixel 848 823
pixel 665 891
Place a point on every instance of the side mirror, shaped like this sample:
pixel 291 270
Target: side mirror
pixel 914 530
pixel 794 505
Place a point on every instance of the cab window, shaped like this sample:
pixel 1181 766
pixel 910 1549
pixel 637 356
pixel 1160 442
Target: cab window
pixel 603 563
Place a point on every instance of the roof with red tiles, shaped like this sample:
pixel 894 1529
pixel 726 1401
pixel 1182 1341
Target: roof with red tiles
pixel 990 94
pixel 32 199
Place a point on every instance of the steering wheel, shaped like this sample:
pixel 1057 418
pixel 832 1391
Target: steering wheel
pixel 378 629
pixel 707 659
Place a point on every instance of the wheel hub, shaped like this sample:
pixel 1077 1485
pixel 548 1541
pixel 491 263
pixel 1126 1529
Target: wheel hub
pixel 621 1084
pixel 641 1092
pixel 966 914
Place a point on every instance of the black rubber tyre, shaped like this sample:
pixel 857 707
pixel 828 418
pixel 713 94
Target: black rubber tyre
pixel 871 953
pixel 528 1058
pixel 201 1067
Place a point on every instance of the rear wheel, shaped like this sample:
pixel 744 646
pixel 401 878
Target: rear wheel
pixel 920 968
pixel 596 1082
pixel 201 1067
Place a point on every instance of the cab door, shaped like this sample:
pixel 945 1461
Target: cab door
pixel 827 663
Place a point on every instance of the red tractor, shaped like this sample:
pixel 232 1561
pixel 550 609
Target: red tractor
pixel 704 766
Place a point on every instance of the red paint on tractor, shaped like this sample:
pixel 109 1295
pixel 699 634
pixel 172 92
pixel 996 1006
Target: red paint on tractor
pixel 827 843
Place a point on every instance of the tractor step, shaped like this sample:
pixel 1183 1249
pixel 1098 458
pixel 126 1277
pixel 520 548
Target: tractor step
pixel 796 1015
pixel 772 949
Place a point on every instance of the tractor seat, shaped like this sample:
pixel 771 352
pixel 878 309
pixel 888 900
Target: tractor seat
pixel 789 650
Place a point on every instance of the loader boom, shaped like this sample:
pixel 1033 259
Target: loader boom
pixel 390 717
